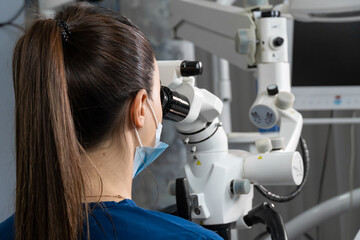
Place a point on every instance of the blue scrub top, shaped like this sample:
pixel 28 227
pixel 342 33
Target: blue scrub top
pixel 125 220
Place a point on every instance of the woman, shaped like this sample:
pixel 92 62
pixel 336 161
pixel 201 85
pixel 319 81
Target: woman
pixel 88 116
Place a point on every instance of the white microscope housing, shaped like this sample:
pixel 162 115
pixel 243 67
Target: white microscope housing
pixel 221 180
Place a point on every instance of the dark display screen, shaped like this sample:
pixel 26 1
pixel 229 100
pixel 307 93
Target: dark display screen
pixel 326 54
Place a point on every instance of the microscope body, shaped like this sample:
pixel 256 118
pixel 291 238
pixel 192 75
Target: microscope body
pixel 220 180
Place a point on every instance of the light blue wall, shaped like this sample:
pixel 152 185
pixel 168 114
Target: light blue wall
pixel 8 37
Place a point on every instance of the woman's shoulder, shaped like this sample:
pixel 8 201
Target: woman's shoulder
pixel 7 229
pixel 129 221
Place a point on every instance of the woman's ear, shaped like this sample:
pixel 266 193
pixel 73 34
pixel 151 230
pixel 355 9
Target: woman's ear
pixel 138 108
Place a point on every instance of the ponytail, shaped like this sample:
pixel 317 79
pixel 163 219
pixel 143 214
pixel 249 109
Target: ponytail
pixel 64 109
pixel 50 185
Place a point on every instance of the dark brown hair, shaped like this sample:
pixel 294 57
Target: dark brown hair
pixel 70 96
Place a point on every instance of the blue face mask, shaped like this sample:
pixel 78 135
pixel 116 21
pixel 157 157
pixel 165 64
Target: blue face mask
pixel 145 155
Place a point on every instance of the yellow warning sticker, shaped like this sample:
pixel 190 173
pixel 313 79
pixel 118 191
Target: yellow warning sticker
pixel 198 162
pixel 260 157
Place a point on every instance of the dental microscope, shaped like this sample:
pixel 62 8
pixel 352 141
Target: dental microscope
pixel 219 185
pixel 218 189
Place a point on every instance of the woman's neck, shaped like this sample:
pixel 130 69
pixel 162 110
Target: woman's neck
pixel 109 167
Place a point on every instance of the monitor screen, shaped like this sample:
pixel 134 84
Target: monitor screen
pixel 326 60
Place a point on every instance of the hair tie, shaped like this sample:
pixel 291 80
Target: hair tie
pixel 65 30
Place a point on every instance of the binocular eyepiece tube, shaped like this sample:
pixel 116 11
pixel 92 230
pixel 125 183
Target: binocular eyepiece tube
pixel 191 68
pixel 175 106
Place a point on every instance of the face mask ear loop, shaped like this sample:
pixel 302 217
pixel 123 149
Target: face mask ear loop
pixel 152 110
pixel 137 134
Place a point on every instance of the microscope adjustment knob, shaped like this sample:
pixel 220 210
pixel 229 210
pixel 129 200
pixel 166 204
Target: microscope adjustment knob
pixel 277 42
pixel 284 100
pixel 240 186
pixel 263 145
pixel 277 143
pixel 272 89
pixel 172 188
pixel 272 13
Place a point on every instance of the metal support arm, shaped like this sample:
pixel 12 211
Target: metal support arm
pixel 214 28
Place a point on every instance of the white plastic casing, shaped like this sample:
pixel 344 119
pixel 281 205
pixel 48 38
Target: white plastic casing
pixel 274 73
pixel 267 30
pixel 211 175
pixel 170 75
pixel 274 168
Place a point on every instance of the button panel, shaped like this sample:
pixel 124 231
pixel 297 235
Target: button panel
pixel 327 102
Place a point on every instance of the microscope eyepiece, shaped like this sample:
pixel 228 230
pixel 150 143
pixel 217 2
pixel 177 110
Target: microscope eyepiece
pixel 191 68
pixel 175 106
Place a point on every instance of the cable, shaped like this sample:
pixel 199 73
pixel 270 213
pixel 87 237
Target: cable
pixel 325 160
pixel 308 236
pixel 10 21
pixel 285 198
pixel 17 26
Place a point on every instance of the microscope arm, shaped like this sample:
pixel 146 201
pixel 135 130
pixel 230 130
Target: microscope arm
pixel 290 129
pixel 247 39
pixel 216 29
pixel 272 108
